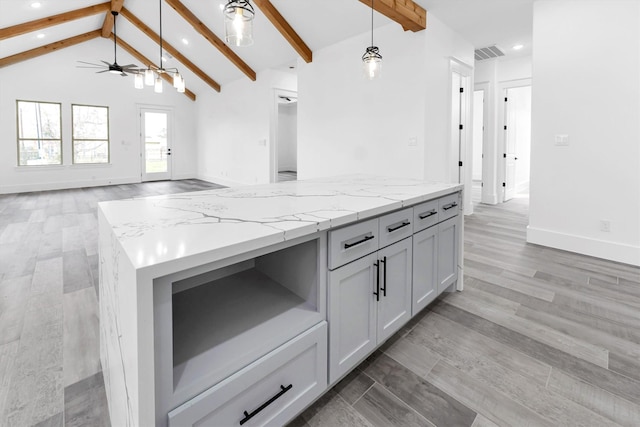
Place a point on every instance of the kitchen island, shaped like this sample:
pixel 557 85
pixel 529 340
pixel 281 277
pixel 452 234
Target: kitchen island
pixel 211 301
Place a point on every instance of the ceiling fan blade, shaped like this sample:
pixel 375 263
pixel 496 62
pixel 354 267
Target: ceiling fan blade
pixel 89 63
pixel 123 74
pixel 103 71
pixel 86 66
pixel 105 62
pixel 129 66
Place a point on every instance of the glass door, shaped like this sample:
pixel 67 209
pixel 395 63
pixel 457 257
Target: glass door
pixel 156 144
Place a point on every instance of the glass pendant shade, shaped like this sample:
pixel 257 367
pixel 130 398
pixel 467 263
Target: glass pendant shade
pixel 371 63
pixel 176 79
pixel 238 23
pixel 149 78
pixel 139 81
pixel 181 85
pixel 157 87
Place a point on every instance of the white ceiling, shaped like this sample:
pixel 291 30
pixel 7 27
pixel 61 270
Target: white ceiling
pixel 320 23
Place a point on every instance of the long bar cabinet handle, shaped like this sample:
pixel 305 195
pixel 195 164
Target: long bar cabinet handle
pixel 248 416
pixel 428 214
pixel 366 239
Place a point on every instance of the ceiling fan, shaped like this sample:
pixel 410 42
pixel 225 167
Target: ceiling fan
pixel 114 68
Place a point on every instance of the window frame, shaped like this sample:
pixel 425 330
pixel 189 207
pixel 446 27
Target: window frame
pixel 73 138
pixel 19 139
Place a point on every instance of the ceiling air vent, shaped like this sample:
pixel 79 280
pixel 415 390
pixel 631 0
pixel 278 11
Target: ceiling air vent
pixel 488 53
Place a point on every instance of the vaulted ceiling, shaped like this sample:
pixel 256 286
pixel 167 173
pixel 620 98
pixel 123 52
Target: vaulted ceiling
pixel 284 30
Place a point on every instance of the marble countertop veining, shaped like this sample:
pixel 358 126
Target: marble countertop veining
pixel 226 222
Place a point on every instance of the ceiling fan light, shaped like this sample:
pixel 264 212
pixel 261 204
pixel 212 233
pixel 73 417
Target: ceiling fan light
pixel 149 78
pixel 157 87
pixel 238 22
pixel 139 81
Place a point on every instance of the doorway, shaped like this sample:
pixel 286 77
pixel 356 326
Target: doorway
pixel 478 144
pixel 517 141
pixel 155 135
pixel 284 156
pixel 459 163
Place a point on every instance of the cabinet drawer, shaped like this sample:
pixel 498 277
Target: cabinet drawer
pixel 425 215
pixel 395 227
pixel 269 392
pixel 448 206
pixel 352 242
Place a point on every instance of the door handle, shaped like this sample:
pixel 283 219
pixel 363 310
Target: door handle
pixel 377 292
pixel 384 276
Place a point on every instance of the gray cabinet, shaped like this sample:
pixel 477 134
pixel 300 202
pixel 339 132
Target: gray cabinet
pixel 425 268
pixel 448 232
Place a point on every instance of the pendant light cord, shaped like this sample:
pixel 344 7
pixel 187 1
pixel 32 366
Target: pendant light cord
pixel 160 65
pixel 371 22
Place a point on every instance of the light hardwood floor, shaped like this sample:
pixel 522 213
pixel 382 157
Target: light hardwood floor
pixel 539 337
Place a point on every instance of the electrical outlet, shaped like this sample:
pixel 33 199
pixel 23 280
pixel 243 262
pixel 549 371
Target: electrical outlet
pixel 413 141
pixel 605 225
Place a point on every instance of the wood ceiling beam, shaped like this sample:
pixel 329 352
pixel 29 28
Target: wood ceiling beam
pixel 51 47
pixel 107 25
pixel 285 29
pixel 140 57
pixel 39 24
pixel 211 37
pixel 172 50
pixel 405 12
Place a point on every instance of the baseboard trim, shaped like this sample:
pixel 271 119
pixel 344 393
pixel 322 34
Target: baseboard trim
pixel 183 176
pixel 613 251
pixel 221 181
pixel 63 185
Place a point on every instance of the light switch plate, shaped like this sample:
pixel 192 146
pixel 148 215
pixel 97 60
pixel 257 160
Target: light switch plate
pixel 562 140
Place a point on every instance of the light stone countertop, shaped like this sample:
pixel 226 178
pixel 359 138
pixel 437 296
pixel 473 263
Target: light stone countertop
pixel 172 230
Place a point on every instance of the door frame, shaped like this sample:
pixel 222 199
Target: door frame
pixel 466 119
pixel 273 131
pixel 142 108
pixel 501 162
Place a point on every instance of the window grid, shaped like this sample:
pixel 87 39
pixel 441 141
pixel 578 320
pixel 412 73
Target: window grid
pixel 94 153
pixel 38 150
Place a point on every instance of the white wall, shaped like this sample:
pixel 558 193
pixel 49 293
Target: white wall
pixel 234 129
pixel 586 66
pixel 55 78
pixel 287 137
pixel 347 124
pixel 495 76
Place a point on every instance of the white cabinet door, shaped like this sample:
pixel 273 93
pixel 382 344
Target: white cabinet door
pixel 352 314
pixel 394 307
pixel 448 252
pixel 425 268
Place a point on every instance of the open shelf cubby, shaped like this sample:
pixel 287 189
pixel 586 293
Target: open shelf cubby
pixel 229 317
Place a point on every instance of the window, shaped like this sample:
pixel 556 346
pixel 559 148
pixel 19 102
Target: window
pixel 39 133
pixel 90 134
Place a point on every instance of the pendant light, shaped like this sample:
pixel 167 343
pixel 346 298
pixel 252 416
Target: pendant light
pixel 371 60
pixel 151 76
pixel 238 22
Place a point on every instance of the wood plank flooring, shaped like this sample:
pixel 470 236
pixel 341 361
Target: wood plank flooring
pixel 540 337
pixel 50 373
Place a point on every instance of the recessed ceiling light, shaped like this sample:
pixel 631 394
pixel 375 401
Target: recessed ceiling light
pixel 518 47
pixel 164 59
pixel 36 4
pixel 40 36
pixel 185 41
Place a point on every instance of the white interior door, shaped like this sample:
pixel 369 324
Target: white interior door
pixel 155 135
pixel 517 139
